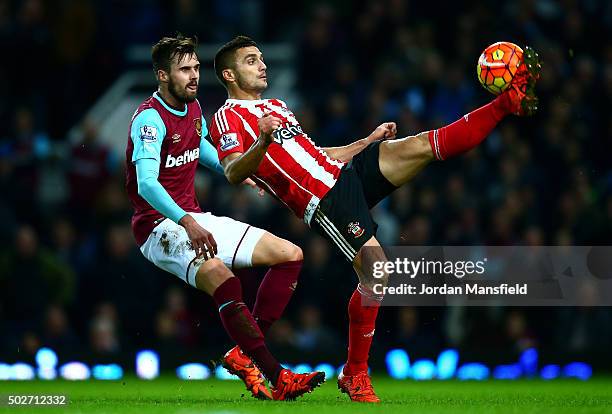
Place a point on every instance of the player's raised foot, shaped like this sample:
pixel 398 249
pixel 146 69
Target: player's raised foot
pixel 241 365
pixel 290 385
pixel 521 92
pixel 358 387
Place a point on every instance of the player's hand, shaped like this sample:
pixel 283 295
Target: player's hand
pixel 254 186
pixel 202 241
pixel 267 125
pixel 386 130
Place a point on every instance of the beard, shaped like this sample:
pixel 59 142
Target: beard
pixel 180 94
pixel 257 86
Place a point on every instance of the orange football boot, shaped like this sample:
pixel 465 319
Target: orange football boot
pixel 241 365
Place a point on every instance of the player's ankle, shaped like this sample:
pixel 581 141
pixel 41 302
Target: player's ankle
pixel 503 105
pixel 351 369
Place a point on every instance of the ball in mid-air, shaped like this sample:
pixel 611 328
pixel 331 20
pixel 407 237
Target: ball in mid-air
pixel 497 66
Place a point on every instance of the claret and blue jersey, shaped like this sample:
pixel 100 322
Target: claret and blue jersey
pixel 163 150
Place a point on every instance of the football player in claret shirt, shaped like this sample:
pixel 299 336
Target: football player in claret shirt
pixel 333 189
pixel 167 139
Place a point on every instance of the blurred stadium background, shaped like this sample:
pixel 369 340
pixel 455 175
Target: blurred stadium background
pixel 73 72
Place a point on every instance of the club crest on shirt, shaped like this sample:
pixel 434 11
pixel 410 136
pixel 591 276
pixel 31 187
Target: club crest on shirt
pixel 198 126
pixel 148 133
pixel 355 229
pixel 228 141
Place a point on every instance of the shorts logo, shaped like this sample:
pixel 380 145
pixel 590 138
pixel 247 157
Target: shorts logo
pixel 228 141
pixel 355 229
pixel 198 126
pixel 148 133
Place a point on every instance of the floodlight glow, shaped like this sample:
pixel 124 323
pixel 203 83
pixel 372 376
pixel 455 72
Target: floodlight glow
pixel 46 358
pixel 302 368
pixel 512 371
pixel 75 371
pixel 222 374
pixel 193 371
pixel 578 370
pixel 473 371
pixel 22 372
pixel 529 362
pixel 447 364
pixel 328 369
pixel 5 371
pixel 550 372
pixel 107 372
pixel 47 373
pixel 147 364
pixel 423 369
pixel 398 364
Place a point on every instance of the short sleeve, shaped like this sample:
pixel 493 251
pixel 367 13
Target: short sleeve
pixel 227 133
pixel 147 133
pixel 204 127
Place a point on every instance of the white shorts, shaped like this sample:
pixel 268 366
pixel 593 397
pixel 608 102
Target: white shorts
pixel 168 246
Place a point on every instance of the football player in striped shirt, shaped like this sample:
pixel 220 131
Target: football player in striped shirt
pixel 333 189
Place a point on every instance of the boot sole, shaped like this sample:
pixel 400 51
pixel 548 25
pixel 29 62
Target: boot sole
pixel 314 382
pixel 529 103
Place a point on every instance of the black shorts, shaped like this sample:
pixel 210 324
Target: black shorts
pixel 343 215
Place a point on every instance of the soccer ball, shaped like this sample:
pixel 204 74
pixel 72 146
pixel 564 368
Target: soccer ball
pixel 497 66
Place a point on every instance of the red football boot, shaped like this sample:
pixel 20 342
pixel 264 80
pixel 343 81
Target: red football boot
pixel 290 385
pixel 358 387
pixel 521 92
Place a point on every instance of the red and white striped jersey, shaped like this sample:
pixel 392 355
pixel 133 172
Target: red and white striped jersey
pixel 294 169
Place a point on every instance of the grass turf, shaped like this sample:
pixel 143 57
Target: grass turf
pixel 170 395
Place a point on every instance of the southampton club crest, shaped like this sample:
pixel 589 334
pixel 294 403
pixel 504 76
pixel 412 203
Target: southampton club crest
pixel 355 229
pixel 198 126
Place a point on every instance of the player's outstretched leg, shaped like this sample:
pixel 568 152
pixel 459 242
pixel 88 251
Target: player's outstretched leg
pixel 363 310
pixel 401 159
pixel 285 262
pixel 217 280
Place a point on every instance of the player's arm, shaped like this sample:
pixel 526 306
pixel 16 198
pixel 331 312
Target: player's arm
pixel 147 134
pixel 387 130
pixel 208 153
pixel 149 188
pixel 209 157
pixel 239 166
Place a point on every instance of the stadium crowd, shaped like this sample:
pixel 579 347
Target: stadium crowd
pixel 72 278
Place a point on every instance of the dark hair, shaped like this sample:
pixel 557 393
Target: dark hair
pixel 168 48
pixel 225 57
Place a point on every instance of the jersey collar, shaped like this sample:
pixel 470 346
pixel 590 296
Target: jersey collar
pixel 171 110
pixel 245 101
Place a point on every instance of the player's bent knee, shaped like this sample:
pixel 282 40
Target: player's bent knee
pixel 294 253
pixel 367 257
pixel 211 274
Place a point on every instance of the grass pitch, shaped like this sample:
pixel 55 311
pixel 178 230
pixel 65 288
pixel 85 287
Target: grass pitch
pixel 170 395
